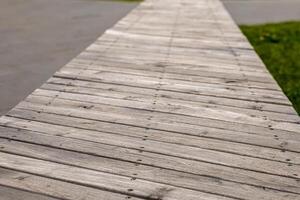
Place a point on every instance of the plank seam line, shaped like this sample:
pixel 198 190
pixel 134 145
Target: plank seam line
pixel 143 127
pixel 32 192
pixel 185 145
pixel 172 78
pixel 257 112
pixel 167 97
pixel 96 170
pixel 173 113
pixel 158 167
pixel 108 59
pixel 175 156
pixel 225 85
pixel 183 92
pixel 150 52
pixel 79 183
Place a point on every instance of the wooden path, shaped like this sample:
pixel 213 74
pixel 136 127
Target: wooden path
pixel 172 103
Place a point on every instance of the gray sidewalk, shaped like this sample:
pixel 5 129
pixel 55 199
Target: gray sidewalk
pixel 263 11
pixel 40 36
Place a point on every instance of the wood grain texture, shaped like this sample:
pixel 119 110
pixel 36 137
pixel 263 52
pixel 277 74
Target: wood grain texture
pixel 172 103
pixel 7 193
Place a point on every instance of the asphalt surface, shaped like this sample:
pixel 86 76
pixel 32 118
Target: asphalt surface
pixel 263 11
pixel 40 36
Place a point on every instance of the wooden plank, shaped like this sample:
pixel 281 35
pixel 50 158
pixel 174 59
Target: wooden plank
pixel 172 72
pixel 221 117
pixel 163 132
pixel 170 103
pixel 51 187
pixel 142 172
pixel 208 72
pixel 173 95
pixel 8 193
pixel 197 154
pixel 179 103
pixel 155 83
pixel 140 158
pixel 100 180
pixel 283 141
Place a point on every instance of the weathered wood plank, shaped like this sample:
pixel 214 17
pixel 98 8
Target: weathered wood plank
pixel 163 133
pixel 155 83
pixel 140 158
pixel 64 90
pixel 216 116
pixel 283 142
pixel 100 180
pixel 175 150
pixel 174 95
pixel 55 188
pixel 171 72
pixel 8 193
pixel 142 172
pixel 170 103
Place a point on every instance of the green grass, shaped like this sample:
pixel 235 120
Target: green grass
pixel 279 47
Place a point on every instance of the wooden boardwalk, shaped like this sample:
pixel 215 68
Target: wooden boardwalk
pixel 172 103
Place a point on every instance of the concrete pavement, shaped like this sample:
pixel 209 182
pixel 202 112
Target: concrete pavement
pixel 263 11
pixel 39 36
